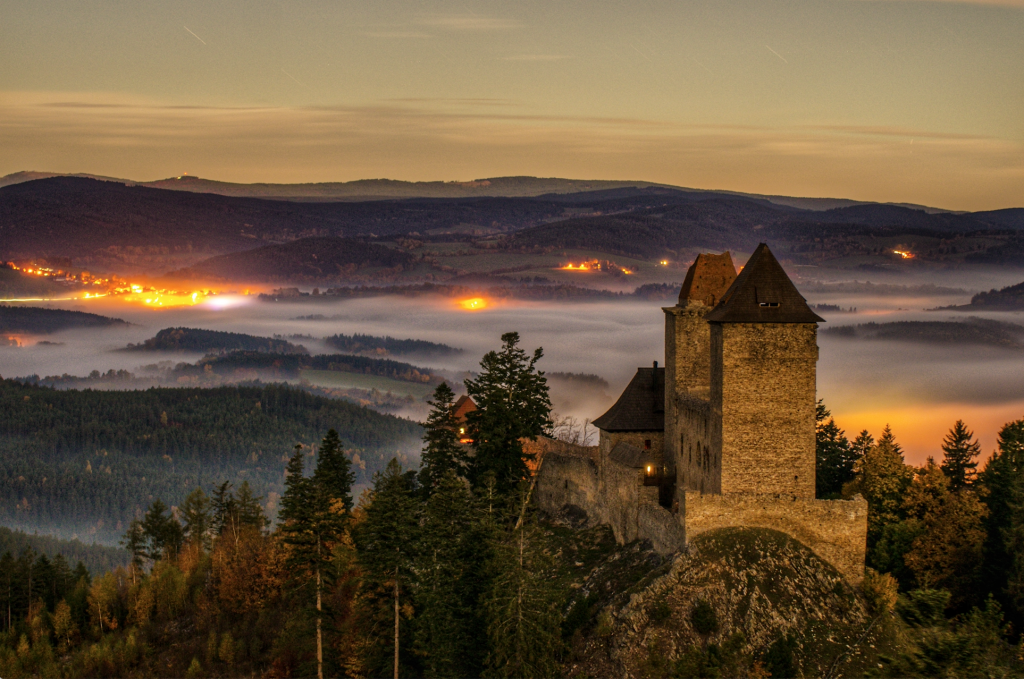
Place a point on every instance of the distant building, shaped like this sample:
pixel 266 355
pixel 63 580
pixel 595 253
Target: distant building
pixel 724 434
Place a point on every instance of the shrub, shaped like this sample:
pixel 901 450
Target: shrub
pixel 880 591
pixel 661 612
pixel 704 618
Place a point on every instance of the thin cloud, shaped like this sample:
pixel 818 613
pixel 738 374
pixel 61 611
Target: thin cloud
pixel 537 57
pixel 1019 4
pixel 422 140
pixel 469 23
pixel 411 35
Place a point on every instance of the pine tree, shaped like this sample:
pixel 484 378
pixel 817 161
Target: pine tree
pixel 835 459
pixel 960 453
pixel 386 542
pixel 444 634
pixel 512 404
pixel 523 620
pixel 441 452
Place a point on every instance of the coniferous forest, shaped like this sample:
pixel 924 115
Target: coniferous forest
pixel 444 570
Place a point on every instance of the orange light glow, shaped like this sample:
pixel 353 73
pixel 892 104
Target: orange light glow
pixel 473 304
pixel 904 254
pixel 582 266
pixel 115 286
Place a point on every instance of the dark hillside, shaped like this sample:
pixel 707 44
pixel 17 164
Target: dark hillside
pixel 716 224
pixel 38 321
pixel 212 341
pixel 97 558
pixel 82 463
pixel 308 259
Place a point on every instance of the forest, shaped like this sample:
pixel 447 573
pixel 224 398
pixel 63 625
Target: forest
pixel 82 463
pixel 971 330
pixel 38 321
pixel 212 341
pixel 445 570
pixel 388 346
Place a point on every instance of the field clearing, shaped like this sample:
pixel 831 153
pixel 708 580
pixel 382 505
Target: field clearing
pixel 337 379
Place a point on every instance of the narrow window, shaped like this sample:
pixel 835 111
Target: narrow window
pixel 647 444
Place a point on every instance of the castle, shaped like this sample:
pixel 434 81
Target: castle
pixel 724 434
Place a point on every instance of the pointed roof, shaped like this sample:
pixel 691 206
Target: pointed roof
pixel 463 407
pixel 641 407
pixel 763 293
pixel 707 279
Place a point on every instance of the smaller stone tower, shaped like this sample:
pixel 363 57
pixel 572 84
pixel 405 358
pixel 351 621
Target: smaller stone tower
pixel 688 373
pixel 763 377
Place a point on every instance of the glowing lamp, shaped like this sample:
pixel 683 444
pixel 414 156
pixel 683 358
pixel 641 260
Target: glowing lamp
pixel 473 304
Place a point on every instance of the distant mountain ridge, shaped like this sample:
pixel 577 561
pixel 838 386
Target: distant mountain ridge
pixel 385 189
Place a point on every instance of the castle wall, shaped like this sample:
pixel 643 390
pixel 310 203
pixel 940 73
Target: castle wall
pixel 609 439
pixel 835 530
pixel 699 460
pixel 569 480
pixel 763 392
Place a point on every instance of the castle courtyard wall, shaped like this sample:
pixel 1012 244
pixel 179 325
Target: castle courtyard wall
pixel 835 530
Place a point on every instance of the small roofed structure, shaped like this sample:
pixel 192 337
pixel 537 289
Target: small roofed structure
pixel 707 279
pixel 633 457
pixel 763 293
pixel 463 407
pixel 641 407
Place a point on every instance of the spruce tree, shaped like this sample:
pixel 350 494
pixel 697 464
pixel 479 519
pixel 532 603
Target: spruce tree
pixel 444 633
pixel 162 531
pixel 1001 480
pixel 835 459
pixel 960 453
pixel 313 520
pixel 386 542
pixel 195 514
pixel 334 470
pixel 523 620
pixel 134 541
pixel 884 479
pixel 442 451
pixel 512 404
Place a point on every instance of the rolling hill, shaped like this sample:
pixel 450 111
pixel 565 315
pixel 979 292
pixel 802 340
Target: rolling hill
pixel 307 259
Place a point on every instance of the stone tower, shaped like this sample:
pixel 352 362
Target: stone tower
pixel 688 371
pixel 763 371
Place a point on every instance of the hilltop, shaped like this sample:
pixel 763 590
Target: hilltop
pixel 632 613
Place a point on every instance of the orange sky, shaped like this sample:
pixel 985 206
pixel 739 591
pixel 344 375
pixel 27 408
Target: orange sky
pixel 892 100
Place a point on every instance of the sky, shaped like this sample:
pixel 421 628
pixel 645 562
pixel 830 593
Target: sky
pixel 889 100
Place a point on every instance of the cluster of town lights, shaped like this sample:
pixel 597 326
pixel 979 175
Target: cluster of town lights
pixel 473 304
pixel 116 287
pixel 903 254
pixel 591 265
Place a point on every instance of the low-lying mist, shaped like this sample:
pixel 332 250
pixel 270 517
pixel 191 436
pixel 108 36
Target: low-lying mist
pixel 919 389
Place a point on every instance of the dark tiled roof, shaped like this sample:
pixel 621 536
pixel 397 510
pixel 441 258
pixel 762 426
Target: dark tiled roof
pixel 641 407
pixel 631 456
pixel 763 293
pixel 707 279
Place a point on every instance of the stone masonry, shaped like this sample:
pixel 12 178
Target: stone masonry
pixel 723 435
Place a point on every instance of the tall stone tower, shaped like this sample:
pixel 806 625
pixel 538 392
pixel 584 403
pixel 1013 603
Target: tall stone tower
pixel 763 371
pixel 688 369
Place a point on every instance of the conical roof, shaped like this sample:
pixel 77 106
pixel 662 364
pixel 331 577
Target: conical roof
pixel 763 293
pixel 707 279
